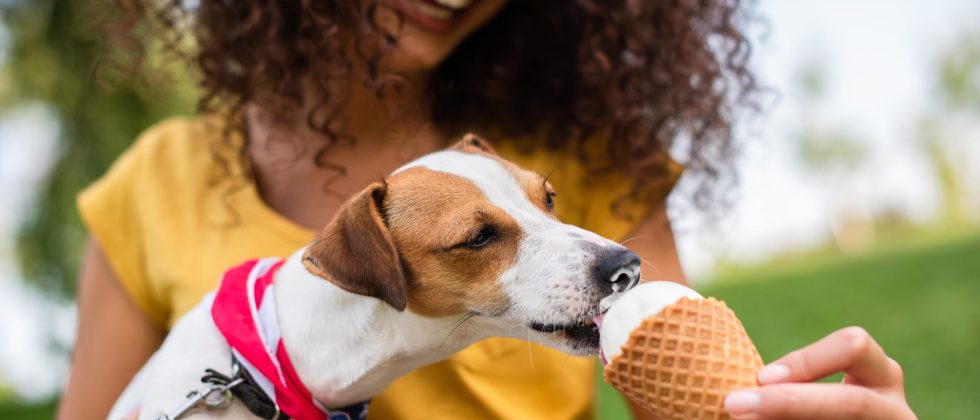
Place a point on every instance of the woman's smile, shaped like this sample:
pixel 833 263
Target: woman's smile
pixel 434 15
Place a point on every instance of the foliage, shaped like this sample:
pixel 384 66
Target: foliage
pixel 58 49
pixel 942 133
pixel 918 303
pixel 935 143
pixel 37 411
pixel 959 74
pixel 823 149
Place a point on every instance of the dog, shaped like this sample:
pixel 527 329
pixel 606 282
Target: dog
pixel 455 246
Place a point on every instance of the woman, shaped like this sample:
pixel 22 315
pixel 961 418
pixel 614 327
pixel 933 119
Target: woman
pixel 306 102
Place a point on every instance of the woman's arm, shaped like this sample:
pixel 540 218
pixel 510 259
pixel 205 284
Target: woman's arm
pixel 653 241
pixel 115 338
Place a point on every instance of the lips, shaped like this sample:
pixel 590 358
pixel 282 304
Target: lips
pixel 434 15
pixel 454 4
pixel 550 328
pixel 584 335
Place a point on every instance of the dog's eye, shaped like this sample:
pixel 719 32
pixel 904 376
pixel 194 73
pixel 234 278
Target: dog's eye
pixel 549 200
pixel 481 239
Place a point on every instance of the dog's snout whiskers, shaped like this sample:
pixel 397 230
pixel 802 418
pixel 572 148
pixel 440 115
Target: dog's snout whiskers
pixel 530 354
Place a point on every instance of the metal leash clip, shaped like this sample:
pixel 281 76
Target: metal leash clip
pixel 212 397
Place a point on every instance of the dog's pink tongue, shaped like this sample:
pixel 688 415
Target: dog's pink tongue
pixel 598 320
pixel 598 323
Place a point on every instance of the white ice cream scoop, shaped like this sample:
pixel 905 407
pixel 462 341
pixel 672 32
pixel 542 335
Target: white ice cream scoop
pixel 631 308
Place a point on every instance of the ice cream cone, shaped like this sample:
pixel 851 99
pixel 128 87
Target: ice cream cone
pixel 683 361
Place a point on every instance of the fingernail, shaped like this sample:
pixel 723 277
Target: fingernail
pixel 742 402
pixel 773 373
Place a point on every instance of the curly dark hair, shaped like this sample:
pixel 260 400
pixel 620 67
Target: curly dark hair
pixel 651 77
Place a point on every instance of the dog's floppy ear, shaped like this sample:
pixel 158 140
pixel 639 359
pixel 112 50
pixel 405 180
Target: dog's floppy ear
pixel 472 141
pixel 356 251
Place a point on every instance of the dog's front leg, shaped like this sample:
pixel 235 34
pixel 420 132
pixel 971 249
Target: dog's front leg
pixel 193 345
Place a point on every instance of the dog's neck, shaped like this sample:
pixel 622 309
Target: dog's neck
pixel 346 347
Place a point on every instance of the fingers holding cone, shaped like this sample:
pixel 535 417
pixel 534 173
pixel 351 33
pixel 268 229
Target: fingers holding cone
pixel 873 385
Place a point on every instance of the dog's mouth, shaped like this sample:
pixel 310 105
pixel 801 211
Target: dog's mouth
pixel 583 335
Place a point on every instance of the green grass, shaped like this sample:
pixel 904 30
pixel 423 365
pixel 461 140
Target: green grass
pixel 37 411
pixel 922 305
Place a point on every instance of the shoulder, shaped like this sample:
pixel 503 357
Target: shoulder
pixel 180 154
pixel 180 141
pixel 164 172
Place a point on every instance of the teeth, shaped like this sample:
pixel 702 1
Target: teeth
pixel 455 4
pixel 431 11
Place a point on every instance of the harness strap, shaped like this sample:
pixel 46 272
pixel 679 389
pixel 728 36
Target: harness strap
pixel 248 392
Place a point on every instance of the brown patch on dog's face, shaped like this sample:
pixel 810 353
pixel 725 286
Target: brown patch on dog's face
pixel 454 244
pixel 537 189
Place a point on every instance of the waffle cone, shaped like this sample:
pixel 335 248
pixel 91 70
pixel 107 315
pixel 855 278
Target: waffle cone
pixel 682 362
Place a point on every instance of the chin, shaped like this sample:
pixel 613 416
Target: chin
pixel 417 58
pixel 424 43
pixel 575 347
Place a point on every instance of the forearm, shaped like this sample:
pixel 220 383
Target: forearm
pixel 653 241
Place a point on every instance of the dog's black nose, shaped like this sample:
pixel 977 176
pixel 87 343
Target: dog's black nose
pixel 618 269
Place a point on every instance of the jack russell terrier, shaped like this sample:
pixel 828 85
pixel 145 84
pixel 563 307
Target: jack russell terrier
pixel 454 247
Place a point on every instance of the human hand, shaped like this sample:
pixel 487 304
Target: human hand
pixel 873 386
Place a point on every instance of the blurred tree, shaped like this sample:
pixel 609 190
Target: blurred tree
pixel 823 147
pixel 959 74
pixel 57 49
pixel 833 154
pixel 942 133
pixel 933 140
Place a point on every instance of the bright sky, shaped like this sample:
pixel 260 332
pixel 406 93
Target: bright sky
pixel 878 55
pixel 879 59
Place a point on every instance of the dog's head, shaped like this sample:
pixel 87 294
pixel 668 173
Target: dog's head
pixel 464 232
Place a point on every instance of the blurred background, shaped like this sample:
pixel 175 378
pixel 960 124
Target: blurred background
pixel 858 200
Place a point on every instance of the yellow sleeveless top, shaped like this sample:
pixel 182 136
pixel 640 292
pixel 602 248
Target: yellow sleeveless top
pixel 169 233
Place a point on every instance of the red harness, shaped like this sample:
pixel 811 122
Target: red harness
pixel 244 310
